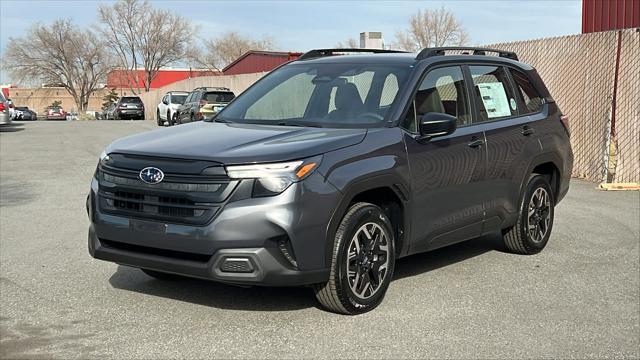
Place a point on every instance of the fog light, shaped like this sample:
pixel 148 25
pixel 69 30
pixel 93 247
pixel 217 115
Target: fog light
pixel 236 265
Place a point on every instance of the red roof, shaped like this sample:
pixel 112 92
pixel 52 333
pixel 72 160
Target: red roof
pixel 119 78
pixel 259 61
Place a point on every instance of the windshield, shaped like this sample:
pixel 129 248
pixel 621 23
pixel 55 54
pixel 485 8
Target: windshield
pixel 218 97
pixel 341 95
pixel 178 99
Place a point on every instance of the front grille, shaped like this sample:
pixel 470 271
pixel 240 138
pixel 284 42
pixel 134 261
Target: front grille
pixel 187 199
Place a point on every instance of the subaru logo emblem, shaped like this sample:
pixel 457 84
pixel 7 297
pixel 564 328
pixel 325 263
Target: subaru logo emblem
pixel 151 175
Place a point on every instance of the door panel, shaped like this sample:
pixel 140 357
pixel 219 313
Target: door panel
pixel 447 181
pixel 447 172
pixel 509 150
pixel 512 139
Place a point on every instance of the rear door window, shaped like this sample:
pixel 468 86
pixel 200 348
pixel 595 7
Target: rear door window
pixel 493 94
pixel 531 99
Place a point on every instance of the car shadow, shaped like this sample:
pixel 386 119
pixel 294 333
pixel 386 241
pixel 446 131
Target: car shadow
pixel 13 127
pixel 432 260
pixel 213 294
pixel 258 298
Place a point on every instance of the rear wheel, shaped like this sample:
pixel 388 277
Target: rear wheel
pixel 531 232
pixel 362 262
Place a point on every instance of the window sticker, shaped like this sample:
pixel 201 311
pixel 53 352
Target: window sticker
pixel 512 102
pixel 494 99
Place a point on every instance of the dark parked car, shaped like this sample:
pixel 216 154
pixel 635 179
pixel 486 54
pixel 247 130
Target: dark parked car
pixel 330 168
pixel 128 107
pixel 203 103
pixel 26 114
pixel 55 113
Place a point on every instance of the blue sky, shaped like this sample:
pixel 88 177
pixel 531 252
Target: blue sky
pixel 302 25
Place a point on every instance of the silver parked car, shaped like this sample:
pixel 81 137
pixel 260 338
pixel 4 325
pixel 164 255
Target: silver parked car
pixel 5 116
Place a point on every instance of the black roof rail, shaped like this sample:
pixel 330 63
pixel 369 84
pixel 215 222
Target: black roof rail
pixel 316 53
pixel 436 51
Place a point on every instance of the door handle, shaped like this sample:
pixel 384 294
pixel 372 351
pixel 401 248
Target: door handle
pixel 475 142
pixel 526 130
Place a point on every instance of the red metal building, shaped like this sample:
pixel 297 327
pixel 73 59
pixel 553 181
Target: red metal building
pixel 603 15
pixel 120 79
pixel 259 61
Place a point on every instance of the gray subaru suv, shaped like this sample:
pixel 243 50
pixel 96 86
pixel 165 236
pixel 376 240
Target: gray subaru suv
pixel 330 168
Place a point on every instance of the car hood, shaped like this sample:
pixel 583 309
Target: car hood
pixel 230 143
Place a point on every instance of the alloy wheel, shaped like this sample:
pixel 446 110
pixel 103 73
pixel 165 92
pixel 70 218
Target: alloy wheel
pixel 539 215
pixel 368 260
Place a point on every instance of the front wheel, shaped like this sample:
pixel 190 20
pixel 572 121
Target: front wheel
pixel 531 232
pixel 158 119
pixel 362 262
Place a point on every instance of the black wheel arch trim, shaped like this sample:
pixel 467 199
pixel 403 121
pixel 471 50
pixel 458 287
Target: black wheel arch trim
pixel 547 157
pixel 390 181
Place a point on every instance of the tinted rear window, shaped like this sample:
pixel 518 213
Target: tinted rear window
pixel 178 99
pixel 129 100
pixel 218 96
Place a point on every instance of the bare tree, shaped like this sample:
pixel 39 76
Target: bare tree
pixel 144 38
pixel 60 53
pixel 431 28
pixel 350 43
pixel 224 49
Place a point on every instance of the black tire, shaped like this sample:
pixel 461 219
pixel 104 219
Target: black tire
pixel 336 294
pixel 161 275
pixel 168 118
pixel 520 238
pixel 160 122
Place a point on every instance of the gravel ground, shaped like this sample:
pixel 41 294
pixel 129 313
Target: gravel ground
pixel 579 298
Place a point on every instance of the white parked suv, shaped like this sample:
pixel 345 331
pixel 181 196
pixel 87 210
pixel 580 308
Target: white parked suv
pixel 168 106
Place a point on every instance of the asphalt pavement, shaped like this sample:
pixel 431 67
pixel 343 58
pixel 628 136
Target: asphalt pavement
pixel 579 298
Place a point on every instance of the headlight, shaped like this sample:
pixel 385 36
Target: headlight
pixel 272 179
pixel 104 156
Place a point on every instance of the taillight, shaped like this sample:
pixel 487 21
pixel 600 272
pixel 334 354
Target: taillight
pixel 1 106
pixel 50 111
pixel 11 106
pixel 564 119
pixel 203 103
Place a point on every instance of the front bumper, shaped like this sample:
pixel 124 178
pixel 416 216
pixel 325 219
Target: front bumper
pixel 243 244
pixel 253 266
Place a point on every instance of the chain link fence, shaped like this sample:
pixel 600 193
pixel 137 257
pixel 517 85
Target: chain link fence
pixel 579 71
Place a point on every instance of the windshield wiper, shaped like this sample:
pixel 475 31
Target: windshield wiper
pixel 299 124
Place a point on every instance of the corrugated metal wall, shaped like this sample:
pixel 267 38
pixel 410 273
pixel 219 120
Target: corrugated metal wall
pixel 603 15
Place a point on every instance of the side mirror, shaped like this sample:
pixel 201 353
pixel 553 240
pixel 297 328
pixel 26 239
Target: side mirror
pixel 434 124
pixel 165 102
